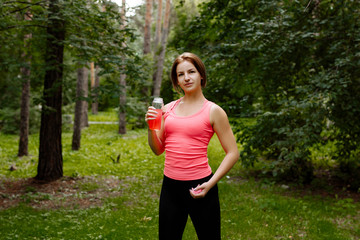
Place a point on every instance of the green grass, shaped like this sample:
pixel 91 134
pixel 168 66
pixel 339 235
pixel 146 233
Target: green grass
pixel 250 209
pixel 109 116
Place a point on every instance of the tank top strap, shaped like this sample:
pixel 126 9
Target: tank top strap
pixel 208 104
pixel 207 108
pixel 172 105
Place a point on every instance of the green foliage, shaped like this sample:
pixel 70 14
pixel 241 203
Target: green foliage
pixel 293 65
pixel 92 35
pixel 15 54
pixel 10 120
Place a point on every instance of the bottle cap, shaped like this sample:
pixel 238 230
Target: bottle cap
pixel 158 100
pixel 158 103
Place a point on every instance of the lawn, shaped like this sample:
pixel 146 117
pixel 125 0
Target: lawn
pixel 102 199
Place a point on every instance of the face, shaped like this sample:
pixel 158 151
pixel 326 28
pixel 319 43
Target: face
pixel 189 79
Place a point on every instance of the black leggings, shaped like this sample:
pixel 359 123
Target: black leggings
pixel 176 204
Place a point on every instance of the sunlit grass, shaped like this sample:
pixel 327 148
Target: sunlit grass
pixel 109 116
pixel 250 209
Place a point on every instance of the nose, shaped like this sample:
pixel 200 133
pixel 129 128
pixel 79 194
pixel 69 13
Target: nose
pixel 187 77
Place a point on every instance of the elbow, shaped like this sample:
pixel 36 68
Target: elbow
pixel 233 156
pixel 236 155
pixel 158 151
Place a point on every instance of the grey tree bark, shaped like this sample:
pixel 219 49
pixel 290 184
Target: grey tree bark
pixel 157 78
pixel 82 77
pixel 95 103
pixel 158 27
pixel 25 98
pixel 147 29
pixel 122 104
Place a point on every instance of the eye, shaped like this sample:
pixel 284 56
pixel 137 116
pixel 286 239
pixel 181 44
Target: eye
pixel 180 74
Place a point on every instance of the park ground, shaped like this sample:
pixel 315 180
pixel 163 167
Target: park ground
pixel 99 198
pixel 64 193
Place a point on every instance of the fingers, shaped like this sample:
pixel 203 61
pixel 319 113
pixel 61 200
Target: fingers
pixel 150 114
pixel 198 192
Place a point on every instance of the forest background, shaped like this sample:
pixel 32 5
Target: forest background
pixel 286 72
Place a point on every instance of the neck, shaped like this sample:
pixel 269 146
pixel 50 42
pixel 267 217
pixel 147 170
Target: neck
pixel 194 97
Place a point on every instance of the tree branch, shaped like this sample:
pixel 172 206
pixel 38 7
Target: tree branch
pixel 16 26
pixel 308 5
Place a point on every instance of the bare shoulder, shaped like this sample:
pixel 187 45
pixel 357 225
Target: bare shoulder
pixel 217 114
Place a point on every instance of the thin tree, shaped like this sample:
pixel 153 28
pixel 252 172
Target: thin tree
pixel 147 41
pixel 92 82
pixel 147 29
pixel 50 166
pixel 158 27
pixel 95 103
pixel 82 75
pixel 95 82
pixel 25 96
pixel 85 93
pixel 160 61
pixel 122 105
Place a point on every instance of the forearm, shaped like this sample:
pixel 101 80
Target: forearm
pixel 155 143
pixel 229 161
pixel 223 130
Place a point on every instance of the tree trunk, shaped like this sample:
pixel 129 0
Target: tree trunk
pixel 158 28
pixel 92 82
pixel 25 100
pixel 24 113
pixel 147 41
pixel 50 166
pixel 122 105
pixel 84 72
pixel 147 30
pixel 157 78
pixel 81 81
pixel 95 103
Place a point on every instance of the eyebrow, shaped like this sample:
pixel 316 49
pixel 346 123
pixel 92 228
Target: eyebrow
pixel 192 68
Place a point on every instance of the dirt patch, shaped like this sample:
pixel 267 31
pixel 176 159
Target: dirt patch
pixel 323 186
pixel 67 192
pixel 326 184
pixel 86 192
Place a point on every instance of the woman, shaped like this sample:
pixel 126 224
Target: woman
pixel 189 186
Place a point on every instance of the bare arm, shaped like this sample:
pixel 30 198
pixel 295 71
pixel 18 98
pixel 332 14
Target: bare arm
pixel 222 128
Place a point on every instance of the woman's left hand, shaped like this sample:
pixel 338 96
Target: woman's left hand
pixel 200 191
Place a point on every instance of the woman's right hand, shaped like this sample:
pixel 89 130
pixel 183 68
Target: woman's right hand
pixel 150 114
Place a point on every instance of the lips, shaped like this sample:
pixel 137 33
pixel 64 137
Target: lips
pixel 187 84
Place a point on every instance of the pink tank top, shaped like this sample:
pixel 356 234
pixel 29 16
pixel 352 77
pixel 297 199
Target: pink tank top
pixel 186 143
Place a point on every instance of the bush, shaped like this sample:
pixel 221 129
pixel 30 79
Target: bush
pixel 286 136
pixel 10 120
